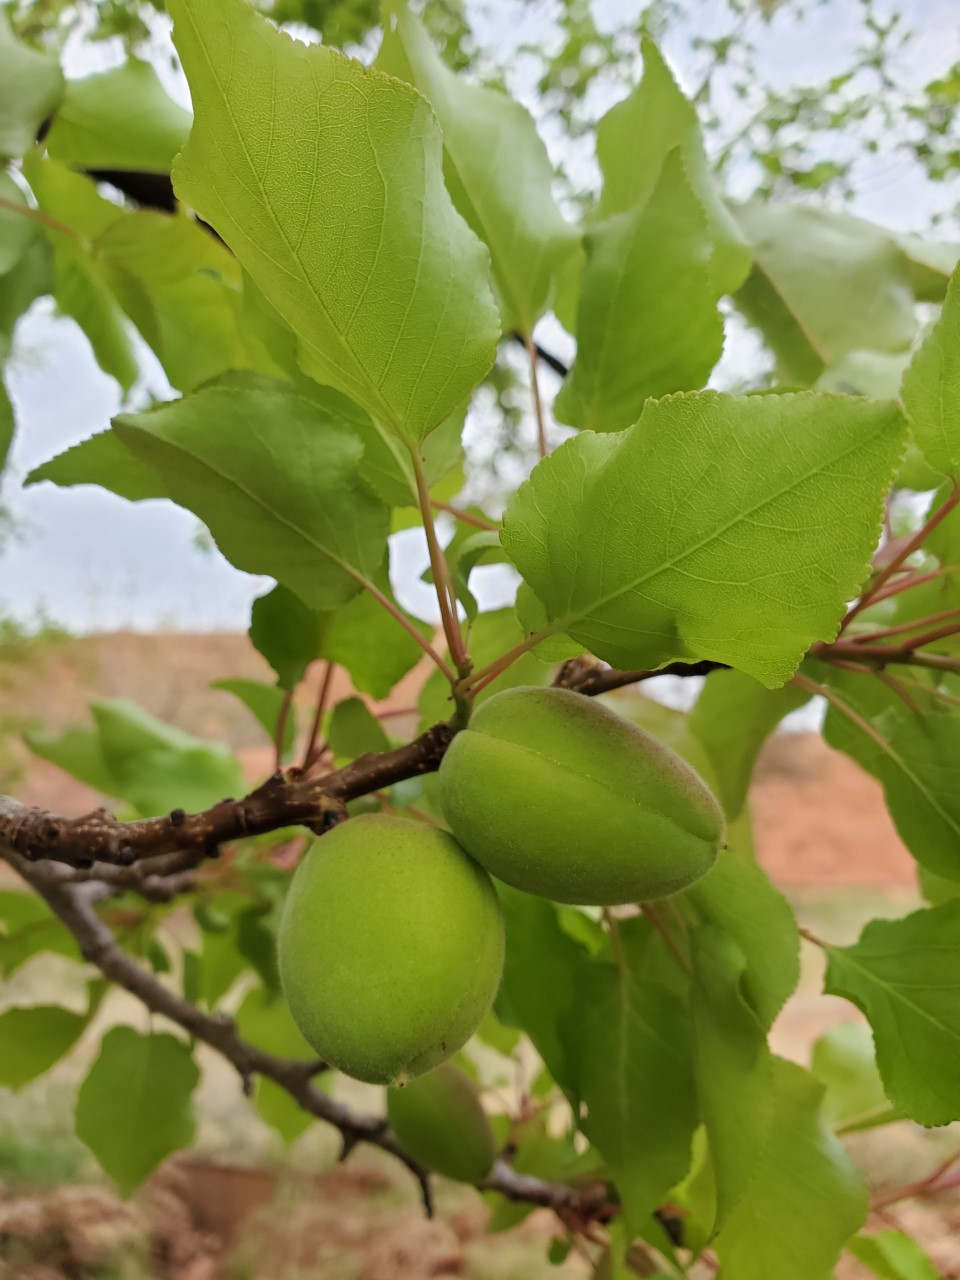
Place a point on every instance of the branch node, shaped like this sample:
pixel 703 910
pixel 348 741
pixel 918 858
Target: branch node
pixel 177 817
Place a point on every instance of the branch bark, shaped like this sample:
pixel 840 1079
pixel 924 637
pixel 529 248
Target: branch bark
pixel 74 905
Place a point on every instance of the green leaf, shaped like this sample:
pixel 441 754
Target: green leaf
pixel 33 1040
pixel 29 927
pixel 361 637
pixel 104 460
pixel 287 633
pixel 354 730
pixel 264 1020
pixel 807 1196
pixel 728 543
pixel 647 320
pixel 119 119
pixel 892 1255
pixel 921 784
pixel 81 291
pixel 733 1065
pixel 78 752
pixel 7 425
pixel 632 1045
pixel 823 284
pixel 31 85
pixel 134 1108
pixel 541 970
pixel 331 195
pixel 491 636
pixel 737 896
pixel 264 702
pixel 733 717
pixel 931 388
pixel 844 1062
pixel 878 374
pixel 156 767
pixel 16 231
pixel 914 756
pixel 274 480
pixel 903 975
pixel 181 288
pixel 32 276
pixel 634 139
pixel 496 168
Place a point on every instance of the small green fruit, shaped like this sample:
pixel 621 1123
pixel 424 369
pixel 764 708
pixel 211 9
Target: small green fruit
pixel 390 947
pixel 559 796
pixel 441 1122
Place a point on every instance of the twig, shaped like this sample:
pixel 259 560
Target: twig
pixel 38 215
pixel 311 751
pixel 655 918
pixel 904 627
pixel 548 358
pixel 926 1186
pixel 583 675
pixel 911 545
pixel 73 906
pixel 446 596
pixel 824 691
pixel 285 799
pixel 283 715
pixel 467 517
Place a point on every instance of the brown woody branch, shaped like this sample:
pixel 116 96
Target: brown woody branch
pixel 289 798
pixel 74 906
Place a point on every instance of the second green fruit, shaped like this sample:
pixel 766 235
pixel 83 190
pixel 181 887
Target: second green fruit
pixel 390 947
pixel 558 796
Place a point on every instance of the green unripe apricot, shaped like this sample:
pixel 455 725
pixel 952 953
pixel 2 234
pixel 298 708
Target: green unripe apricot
pixel 441 1122
pixel 558 796
pixel 390 947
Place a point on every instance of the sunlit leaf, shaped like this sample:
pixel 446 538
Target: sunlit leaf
pixel 139 1085
pixel 734 529
pixel 119 119
pixel 313 188
pixel 905 976
pixel 496 169
pixel 31 85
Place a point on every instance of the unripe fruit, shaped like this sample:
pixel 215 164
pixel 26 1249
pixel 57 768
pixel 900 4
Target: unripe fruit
pixel 441 1122
pixel 559 796
pixel 390 947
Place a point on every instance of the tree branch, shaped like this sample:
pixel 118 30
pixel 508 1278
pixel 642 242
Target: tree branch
pixel 285 799
pixel 74 906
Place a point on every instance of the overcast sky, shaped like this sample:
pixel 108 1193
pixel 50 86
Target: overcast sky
pixel 92 561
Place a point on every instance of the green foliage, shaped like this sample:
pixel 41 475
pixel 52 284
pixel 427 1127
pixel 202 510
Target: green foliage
pixel 327 297
pixel 733 717
pixel 31 87
pixel 931 388
pixel 408 361
pixel 900 975
pixel 252 461
pixel 631 1044
pixel 495 167
pixel 893 1256
pixel 698 475
pixel 647 319
pixel 119 119
pixel 139 1085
